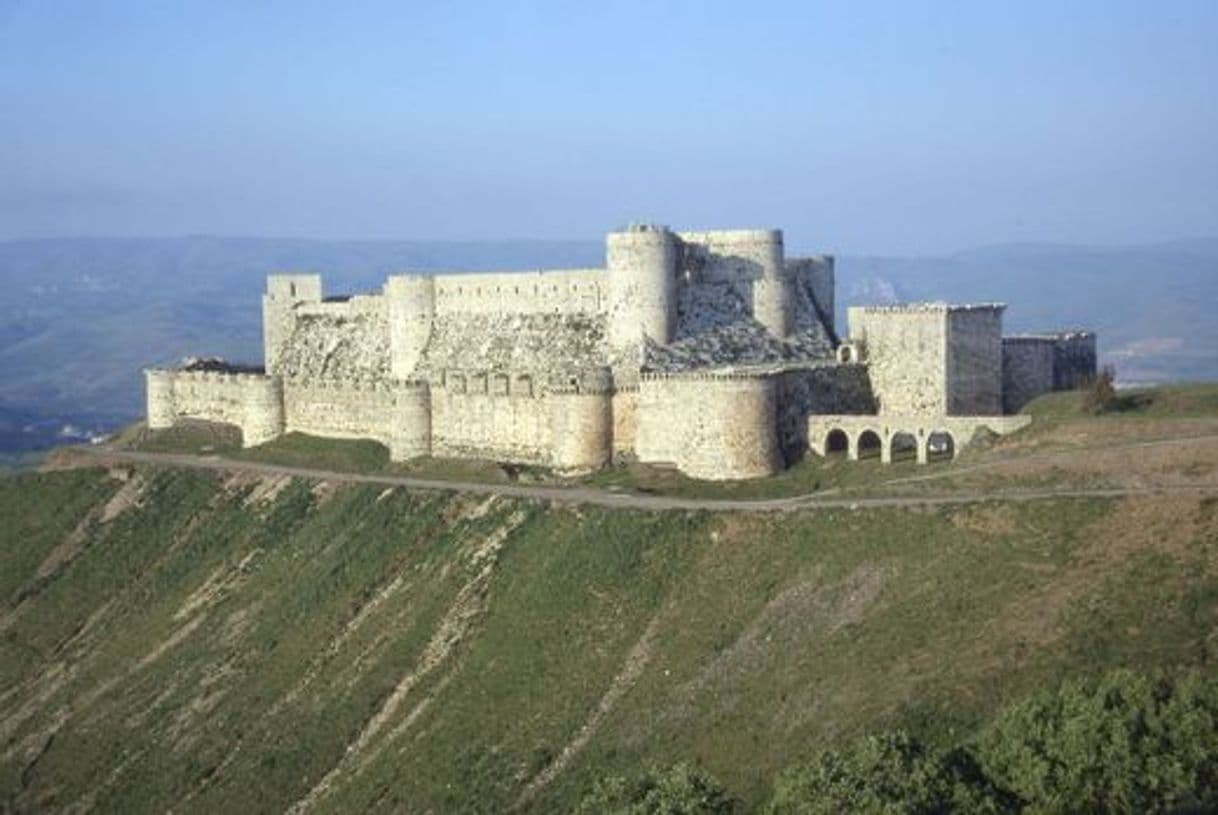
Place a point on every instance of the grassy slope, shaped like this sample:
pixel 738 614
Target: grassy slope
pixel 210 645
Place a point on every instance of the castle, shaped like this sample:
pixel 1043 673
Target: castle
pixel 709 351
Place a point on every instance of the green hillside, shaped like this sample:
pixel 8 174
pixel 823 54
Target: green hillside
pixel 197 642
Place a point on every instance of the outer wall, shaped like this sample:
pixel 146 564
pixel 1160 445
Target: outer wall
pixel 711 428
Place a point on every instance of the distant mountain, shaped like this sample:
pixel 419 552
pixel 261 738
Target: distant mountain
pixel 81 317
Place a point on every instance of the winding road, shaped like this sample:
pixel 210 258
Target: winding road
pixel 826 499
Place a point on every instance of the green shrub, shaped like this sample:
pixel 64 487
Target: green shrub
pixel 886 773
pixel 678 790
pixel 1099 393
pixel 1126 743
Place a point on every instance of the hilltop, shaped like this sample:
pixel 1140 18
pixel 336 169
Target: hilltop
pixel 202 640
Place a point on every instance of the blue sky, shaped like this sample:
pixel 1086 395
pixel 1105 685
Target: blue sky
pixel 858 127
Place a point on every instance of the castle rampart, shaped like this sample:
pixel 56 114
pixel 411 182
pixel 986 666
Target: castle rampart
pixel 1033 364
pixel 710 426
pixel 707 350
pixel 251 402
pixel 642 273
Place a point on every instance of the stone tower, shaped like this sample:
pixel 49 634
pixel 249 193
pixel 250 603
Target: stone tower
pixel 642 270
pixel 412 311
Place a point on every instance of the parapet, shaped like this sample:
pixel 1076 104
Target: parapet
pixel 935 307
pixel 730 237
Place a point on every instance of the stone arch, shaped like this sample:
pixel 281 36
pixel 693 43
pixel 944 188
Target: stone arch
pixel 902 444
pixel 523 385
pixel 836 441
pixel 869 444
pixel 941 445
pixel 848 353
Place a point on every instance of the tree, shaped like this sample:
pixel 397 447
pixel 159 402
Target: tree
pixel 1099 394
pixel 682 789
pixel 1127 743
pixel 885 773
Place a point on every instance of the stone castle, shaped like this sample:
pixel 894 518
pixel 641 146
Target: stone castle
pixel 709 351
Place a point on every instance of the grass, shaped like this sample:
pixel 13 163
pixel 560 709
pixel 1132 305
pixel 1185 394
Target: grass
pixel 221 641
pixel 1174 401
pixel 21 461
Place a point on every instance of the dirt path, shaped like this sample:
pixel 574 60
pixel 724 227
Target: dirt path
pixel 626 500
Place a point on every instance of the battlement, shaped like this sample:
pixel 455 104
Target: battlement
pixel 706 349
pixel 930 307
pixel 1051 337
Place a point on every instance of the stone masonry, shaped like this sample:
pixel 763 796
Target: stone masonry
pixel 708 351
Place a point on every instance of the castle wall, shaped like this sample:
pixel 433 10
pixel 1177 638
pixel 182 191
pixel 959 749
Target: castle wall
pixel 339 409
pixel 974 360
pixel 625 407
pixel 571 291
pixel 1027 370
pixel 905 348
pixel 1074 359
pixel 712 426
pixel 1033 364
pixel 476 414
pixel 159 388
pixel 252 402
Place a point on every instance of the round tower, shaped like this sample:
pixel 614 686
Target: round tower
pixel 642 269
pixel 262 401
pixel 161 408
pixel 581 415
pixel 412 312
pixel 410 427
pixel 771 288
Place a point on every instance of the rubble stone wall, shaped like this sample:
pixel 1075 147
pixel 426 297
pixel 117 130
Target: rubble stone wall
pixel 752 260
pixel 905 348
pixel 816 274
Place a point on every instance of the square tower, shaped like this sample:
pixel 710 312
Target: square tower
pixel 932 358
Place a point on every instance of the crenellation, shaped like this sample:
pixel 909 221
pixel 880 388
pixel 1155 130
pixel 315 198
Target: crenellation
pixel 707 350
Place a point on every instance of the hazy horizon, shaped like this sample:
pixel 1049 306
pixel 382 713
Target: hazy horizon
pixel 892 129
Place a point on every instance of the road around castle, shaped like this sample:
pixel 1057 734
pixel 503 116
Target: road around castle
pixel 827 499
